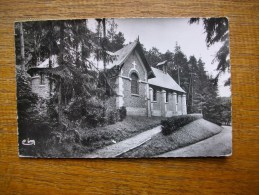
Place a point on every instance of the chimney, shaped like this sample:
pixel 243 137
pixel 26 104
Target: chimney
pixel 162 66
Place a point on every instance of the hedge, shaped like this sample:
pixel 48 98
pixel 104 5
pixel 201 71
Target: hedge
pixel 174 123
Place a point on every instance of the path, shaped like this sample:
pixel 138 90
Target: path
pixel 119 148
pixel 217 145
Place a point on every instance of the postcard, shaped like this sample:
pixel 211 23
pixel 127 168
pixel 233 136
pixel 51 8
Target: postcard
pixel 123 88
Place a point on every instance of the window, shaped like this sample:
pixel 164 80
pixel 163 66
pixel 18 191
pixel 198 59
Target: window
pixel 166 96
pixel 134 83
pixel 154 95
pixel 42 79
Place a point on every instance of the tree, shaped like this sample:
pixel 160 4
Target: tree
pixel 217 31
pixel 153 56
pixel 73 43
pixel 115 40
pixel 179 67
pixel 168 55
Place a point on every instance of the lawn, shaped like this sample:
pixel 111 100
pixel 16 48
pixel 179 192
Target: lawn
pixel 99 137
pixel 187 135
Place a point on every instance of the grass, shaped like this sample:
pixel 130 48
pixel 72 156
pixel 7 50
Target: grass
pixel 96 138
pixel 187 135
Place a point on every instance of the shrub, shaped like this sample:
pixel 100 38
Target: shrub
pixel 174 123
pixel 89 112
pixel 113 117
pixel 123 113
pixel 116 115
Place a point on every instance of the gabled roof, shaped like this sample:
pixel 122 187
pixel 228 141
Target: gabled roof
pixel 164 80
pixel 45 63
pixel 123 54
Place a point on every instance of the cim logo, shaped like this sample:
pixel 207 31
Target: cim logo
pixel 28 142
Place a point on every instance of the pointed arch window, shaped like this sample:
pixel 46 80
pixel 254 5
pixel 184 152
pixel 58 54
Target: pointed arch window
pixel 134 83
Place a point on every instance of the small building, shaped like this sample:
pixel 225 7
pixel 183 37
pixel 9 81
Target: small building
pixel 41 83
pixel 144 90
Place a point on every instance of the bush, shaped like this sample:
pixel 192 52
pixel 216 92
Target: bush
pixel 174 123
pixel 89 112
pixel 113 117
pixel 116 115
pixel 123 113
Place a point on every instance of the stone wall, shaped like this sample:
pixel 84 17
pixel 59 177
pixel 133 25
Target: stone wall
pixel 42 90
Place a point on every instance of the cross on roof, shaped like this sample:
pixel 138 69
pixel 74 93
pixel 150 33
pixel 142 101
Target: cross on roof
pixel 134 64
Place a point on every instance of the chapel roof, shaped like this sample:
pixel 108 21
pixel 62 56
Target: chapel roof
pixel 164 80
pixel 124 53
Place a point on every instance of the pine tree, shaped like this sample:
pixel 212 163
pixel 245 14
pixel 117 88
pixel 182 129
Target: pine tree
pixel 217 31
pixel 153 56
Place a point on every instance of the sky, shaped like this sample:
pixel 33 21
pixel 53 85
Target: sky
pixel 163 33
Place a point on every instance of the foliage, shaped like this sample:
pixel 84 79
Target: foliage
pixel 123 113
pixel 174 123
pixel 116 43
pixel 217 31
pixel 73 43
pixel 88 112
pixel 220 112
pixel 26 104
pixel 201 88
pixel 113 116
pixel 153 56
pixel 80 90
pixel 33 120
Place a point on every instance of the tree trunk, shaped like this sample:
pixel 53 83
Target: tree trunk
pixel 60 111
pixel 50 61
pixel 35 48
pixel 62 42
pixel 103 45
pixel 104 65
pixel 99 41
pixel 22 48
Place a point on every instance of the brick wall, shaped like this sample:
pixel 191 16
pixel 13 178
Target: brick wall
pixel 137 104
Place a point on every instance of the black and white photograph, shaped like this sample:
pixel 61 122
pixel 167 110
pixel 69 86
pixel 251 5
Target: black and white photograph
pixel 123 88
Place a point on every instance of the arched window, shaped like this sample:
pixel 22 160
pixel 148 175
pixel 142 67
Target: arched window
pixel 134 83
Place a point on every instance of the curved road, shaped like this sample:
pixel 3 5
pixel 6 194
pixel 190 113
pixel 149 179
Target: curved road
pixel 217 145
